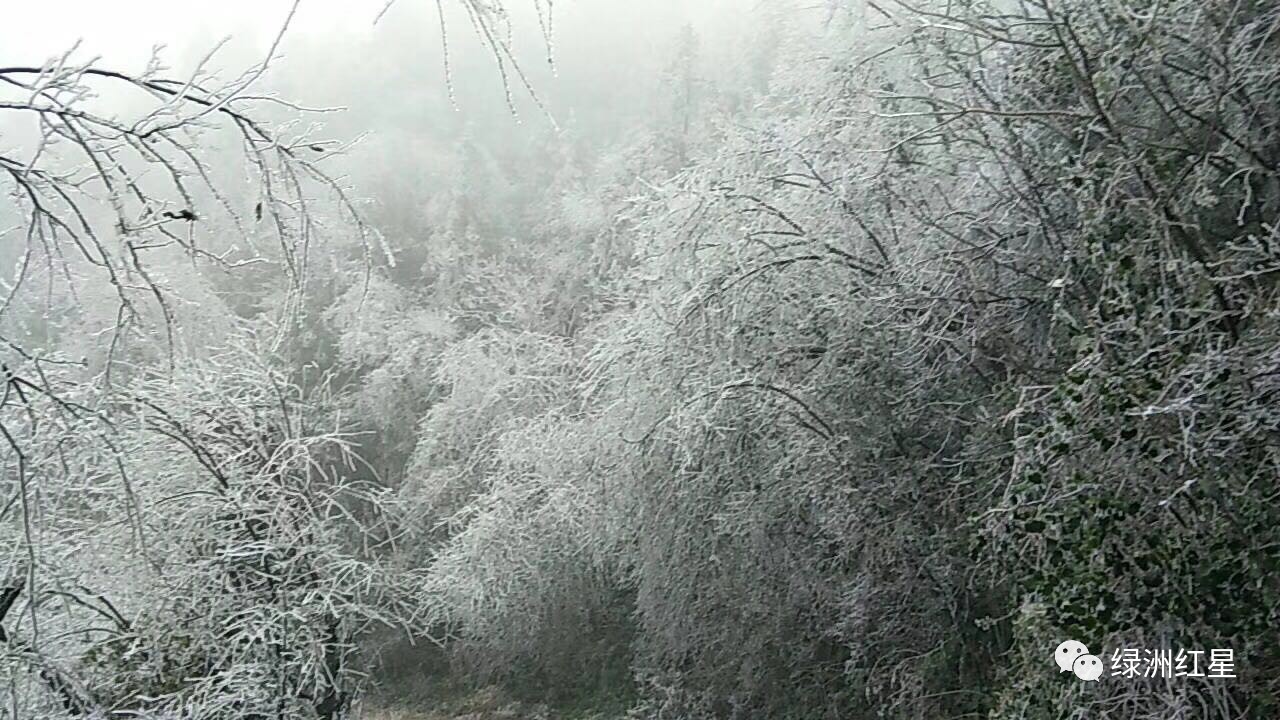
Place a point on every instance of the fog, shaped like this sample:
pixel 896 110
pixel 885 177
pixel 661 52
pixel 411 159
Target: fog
pixel 379 73
pixel 384 65
pixel 623 360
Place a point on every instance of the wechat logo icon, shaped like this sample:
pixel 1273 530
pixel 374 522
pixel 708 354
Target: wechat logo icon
pixel 1072 656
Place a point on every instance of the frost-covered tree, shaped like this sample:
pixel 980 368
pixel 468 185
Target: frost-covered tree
pixel 857 374
pixel 956 342
pixel 183 532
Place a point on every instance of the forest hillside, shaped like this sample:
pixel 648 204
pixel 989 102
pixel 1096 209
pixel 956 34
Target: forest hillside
pixel 835 360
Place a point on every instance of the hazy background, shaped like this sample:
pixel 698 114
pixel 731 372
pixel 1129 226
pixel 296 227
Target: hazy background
pixel 814 359
pixel 390 76
pixel 614 79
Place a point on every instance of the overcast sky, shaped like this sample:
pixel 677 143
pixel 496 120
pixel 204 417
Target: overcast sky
pixel 123 32
pixel 389 77
pixel 334 55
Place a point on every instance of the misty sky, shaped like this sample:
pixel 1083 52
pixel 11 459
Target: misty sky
pixel 389 78
pixel 593 37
